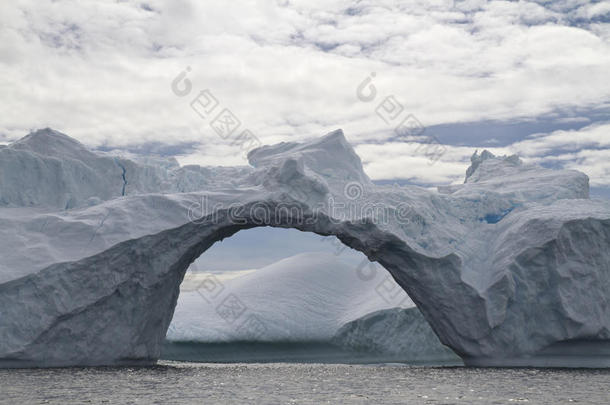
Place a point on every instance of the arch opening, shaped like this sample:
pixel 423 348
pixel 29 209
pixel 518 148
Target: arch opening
pixel 296 296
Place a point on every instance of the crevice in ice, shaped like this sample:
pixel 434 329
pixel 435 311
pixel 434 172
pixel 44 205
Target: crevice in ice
pixel 98 228
pixel 123 175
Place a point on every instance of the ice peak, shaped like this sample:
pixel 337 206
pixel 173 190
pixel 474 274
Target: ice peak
pixel 330 155
pixel 49 142
pixel 489 164
pixel 334 136
pixel 48 135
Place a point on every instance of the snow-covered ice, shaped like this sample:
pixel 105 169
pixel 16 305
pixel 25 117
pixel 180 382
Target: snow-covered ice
pixel 94 247
pixel 306 297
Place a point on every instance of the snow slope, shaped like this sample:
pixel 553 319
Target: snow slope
pixel 305 297
pixel 511 262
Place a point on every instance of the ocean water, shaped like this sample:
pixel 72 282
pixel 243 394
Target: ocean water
pixel 289 352
pixel 301 383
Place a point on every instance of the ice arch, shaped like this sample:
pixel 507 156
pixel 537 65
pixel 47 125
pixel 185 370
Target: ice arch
pixel 115 307
pixel 506 268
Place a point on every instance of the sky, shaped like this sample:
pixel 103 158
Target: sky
pixel 259 247
pixel 526 77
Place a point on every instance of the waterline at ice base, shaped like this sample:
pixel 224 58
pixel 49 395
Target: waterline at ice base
pixel 511 268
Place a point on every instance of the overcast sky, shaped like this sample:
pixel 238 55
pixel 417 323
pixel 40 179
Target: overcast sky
pixel 527 77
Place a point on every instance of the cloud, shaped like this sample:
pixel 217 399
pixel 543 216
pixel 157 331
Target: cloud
pixel 593 136
pixel 587 150
pixel 396 160
pixel 101 71
pixel 594 10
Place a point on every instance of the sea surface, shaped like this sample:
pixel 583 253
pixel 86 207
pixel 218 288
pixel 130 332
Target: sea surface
pixel 303 383
pixel 290 352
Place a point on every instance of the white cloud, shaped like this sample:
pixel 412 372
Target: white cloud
pixel 593 136
pixel 101 71
pixel 405 161
pixel 593 10
pixel 587 150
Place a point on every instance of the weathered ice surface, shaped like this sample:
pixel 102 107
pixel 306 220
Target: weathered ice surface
pixel 398 331
pixel 506 267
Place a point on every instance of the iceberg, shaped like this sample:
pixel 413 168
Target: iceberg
pixel 402 332
pixel 302 298
pixel 510 268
